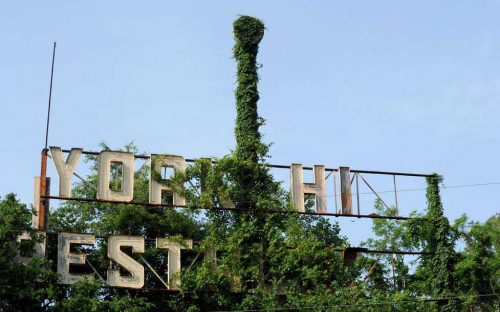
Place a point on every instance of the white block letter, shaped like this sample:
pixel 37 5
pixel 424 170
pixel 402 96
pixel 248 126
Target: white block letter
pixel 39 248
pixel 174 258
pixel 64 168
pixel 155 188
pixel 298 188
pixel 136 270
pixel 127 190
pixel 65 257
pixel 345 190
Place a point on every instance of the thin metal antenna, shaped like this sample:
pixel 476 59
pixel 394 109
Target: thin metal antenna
pixel 50 96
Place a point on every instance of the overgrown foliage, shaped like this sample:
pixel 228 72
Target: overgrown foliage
pixel 23 287
pixel 439 240
pixel 250 178
pixel 248 32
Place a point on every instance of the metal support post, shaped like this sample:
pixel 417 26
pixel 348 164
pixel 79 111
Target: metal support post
pixel 42 222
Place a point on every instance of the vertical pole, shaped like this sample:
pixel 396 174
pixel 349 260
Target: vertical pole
pixel 393 274
pixel 345 190
pixel 50 96
pixel 335 192
pixel 395 194
pixel 42 222
pixel 357 193
pixel 43 192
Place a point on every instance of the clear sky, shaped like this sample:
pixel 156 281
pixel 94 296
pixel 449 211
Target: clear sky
pixel 411 86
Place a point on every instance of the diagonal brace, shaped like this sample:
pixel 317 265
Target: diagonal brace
pixel 371 188
pixel 154 272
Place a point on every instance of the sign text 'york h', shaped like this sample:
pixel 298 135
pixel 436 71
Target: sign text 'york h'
pixel 298 188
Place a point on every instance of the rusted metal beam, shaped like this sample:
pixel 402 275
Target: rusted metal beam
pixel 394 252
pixel 140 156
pixel 42 226
pixel 169 206
pixel 357 249
pixel 146 289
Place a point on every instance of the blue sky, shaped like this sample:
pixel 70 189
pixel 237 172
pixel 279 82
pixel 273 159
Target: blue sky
pixel 409 86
